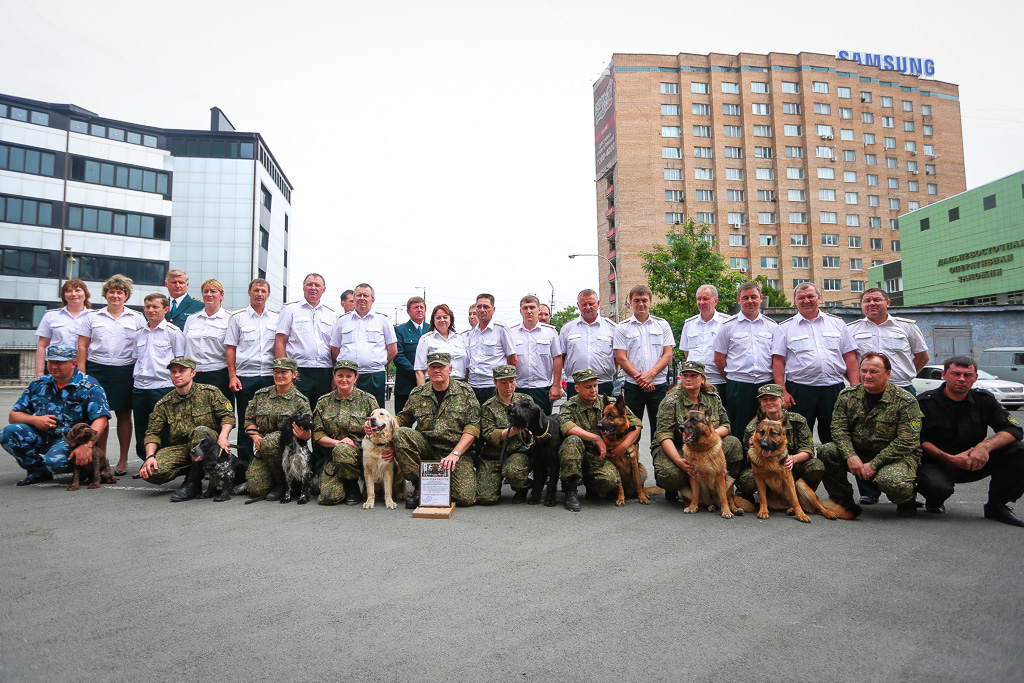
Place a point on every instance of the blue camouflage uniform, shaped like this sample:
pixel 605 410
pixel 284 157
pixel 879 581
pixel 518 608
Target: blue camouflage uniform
pixel 81 400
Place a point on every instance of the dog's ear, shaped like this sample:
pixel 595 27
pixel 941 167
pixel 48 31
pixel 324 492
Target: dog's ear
pixel 620 403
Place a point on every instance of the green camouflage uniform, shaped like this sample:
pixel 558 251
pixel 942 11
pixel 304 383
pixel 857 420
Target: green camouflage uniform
pixel 489 474
pixel 799 438
pixel 268 411
pixel 438 430
pixel 580 459
pixel 673 409
pixel 339 418
pixel 888 437
pixel 188 420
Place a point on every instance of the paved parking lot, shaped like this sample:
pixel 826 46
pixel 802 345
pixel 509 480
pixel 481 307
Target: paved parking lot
pixel 118 584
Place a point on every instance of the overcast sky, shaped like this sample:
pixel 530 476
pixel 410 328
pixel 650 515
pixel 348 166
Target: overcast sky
pixel 449 145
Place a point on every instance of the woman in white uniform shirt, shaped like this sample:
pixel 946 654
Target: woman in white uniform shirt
pixel 441 337
pixel 61 326
pixel 106 352
pixel 205 332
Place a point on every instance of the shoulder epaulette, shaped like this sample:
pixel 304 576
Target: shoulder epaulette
pixel 903 320
pixel 729 317
pixel 692 317
pixel 55 310
pixel 831 315
pixel 549 325
pixel 499 323
pixel 849 389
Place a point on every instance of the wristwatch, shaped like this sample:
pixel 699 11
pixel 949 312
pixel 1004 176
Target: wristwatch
pixel 456 454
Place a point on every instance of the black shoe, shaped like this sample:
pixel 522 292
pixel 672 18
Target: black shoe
pixel 351 492
pixel 918 502
pixel 240 489
pixel 520 496
pixel 572 500
pixel 276 493
pixel 413 501
pixel 671 496
pixel 188 491
pixel 120 473
pixel 934 508
pixel 136 476
pixel 36 478
pixel 868 500
pixel 907 509
pixel 1001 512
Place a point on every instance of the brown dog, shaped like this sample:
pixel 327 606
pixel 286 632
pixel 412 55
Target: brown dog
pixel 775 485
pixel 82 433
pixel 702 448
pixel 377 470
pixel 614 426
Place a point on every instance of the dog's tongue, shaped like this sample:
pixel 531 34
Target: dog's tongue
pixel 766 452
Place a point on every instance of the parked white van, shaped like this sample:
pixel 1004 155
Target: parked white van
pixel 1006 362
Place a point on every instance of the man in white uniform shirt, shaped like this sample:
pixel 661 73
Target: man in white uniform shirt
pixel 304 333
pixel 643 349
pixel 156 344
pixel 539 371
pixel 490 345
pixel 902 343
pixel 368 338
pixel 810 354
pixel 743 356
pixel 697 339
pixel 587 343
pixel 250 354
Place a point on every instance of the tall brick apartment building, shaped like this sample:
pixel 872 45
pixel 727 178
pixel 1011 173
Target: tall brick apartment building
pixel 800 164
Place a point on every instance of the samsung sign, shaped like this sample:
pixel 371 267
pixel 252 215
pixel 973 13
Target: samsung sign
pixel 905 65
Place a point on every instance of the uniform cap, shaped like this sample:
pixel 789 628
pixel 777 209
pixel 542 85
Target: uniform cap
pixel 439 358
pixel 61 352
pixel 183 361
pixel 693 366
pixel 771 390
pixel 345 364
pixel 286 364
pixel 504 372
pixel 584 375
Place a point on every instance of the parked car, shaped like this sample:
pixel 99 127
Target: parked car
pixel 1005 362
pixel 1009 394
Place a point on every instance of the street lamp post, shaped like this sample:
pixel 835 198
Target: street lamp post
pixel 615 280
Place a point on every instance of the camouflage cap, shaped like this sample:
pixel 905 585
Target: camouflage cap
pixel 584 375
pixel 61 352
pixel 693 366
pixel 286 364
pixel 183 361
pixel 504 372
pixel 771 390
pixel 345 364
pixel 439 358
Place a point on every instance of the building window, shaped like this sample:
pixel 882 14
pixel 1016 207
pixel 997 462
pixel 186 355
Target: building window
pixel 797 195
pixel 790 87
pixel 764 153
pixel 826 172
pixel 824 152
pixel 766 195
pixel 734 174
pixel 927 131
pixel 895 245
pixel 672 218
pixel 908 126
pixel 829 240
pixel 791 108
pixel 114 222
pixel 29 262
pixel 699 88
pixel 926 110
pixel 264 239
pixel 832 285
pixel 735 196
pixel 737 240
pixel 908 105
pixel 770 262
pixel 913 186
pixel 795 173
pixel 856 285
pixel 703 174
pixel 670 110
pixel 829 217
pixel 701 152
pixel 670 132
pixel 798 240
pixel 27 160
pixel 888 122
pixel 669 88
pixel 759 87
pixel 731 88
pixel 99 268
pixel 762 131
pixel 760 109
pixel 673 195
pixel 819 87
pixel 709 239
pixel 731 109
pixel 886 101
pixel 874 222
pixel 913 206
pixel 873 200
pixel 801 261
pixel 115 175
pixel 733 152
pixel 893 183
pixel 890 162
pixel 830 261
pixel 889 143
pixel 869 139
pixel 929 150
pixel 910 146
pixel 849 176
pixel 732 131
pixel 822 108
pixel 845 113
pixel 738 263
pixel 764 173
pixel 876 243
pixel 826 195
pixel 705 217
pixel 766 218
pixel 673 174
pixel 671 153
pixel 954 214
pixel 847 135
pixel 795 152
pixel 988 202
pixel 701 109
pixel 925 224
pixel 867 117
pixel 851 197
pixel 853 221
pixel 737 218
pixel 854 242
pixel 702 131
pixel 26 211
pixel 798 218
pixel 705 195
pixel 929 169
pixel 768 240
pixel 871 179
pixel 20 315
pixel 797 282
pixel 894 203
pixel 792 130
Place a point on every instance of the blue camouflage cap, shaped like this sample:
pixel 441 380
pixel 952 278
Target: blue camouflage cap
pixel 61 352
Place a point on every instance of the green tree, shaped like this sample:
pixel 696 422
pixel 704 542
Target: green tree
pixel 676 271
pixel 776 299
pixel 563 316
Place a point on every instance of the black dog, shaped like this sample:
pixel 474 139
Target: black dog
pixel 542 435
pixel 296 458
pixel 219 466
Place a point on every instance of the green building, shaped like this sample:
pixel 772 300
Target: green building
pixel 965 250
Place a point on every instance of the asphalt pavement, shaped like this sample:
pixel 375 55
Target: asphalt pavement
pixel 118 584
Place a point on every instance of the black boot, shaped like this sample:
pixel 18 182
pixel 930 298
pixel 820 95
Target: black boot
pixel 572 500
pixel 413 501
pixel 351 491
pixel 193 485
pixel 276 492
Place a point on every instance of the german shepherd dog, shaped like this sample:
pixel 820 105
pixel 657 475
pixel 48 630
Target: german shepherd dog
pixel 541 435
pixel 702 447
pixel 377 470
pixel 219 466
pixel 776 488
pixel 614 427
pixel 82 433
pixel 296 458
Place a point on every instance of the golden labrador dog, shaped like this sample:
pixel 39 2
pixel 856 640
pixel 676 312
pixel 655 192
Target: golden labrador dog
pixel 377 470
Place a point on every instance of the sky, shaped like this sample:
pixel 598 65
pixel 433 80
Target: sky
pixel 448 146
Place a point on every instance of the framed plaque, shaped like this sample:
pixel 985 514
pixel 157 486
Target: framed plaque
pixel 435 486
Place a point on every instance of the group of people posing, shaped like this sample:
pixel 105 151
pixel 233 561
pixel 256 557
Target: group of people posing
pixel 183 367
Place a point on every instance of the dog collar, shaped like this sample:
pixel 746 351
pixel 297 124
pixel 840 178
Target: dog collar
pixel 546 430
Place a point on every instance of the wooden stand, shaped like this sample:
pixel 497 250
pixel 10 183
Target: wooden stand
pixel 434 513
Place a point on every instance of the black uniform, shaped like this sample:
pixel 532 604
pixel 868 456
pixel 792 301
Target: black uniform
pixel 956 426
